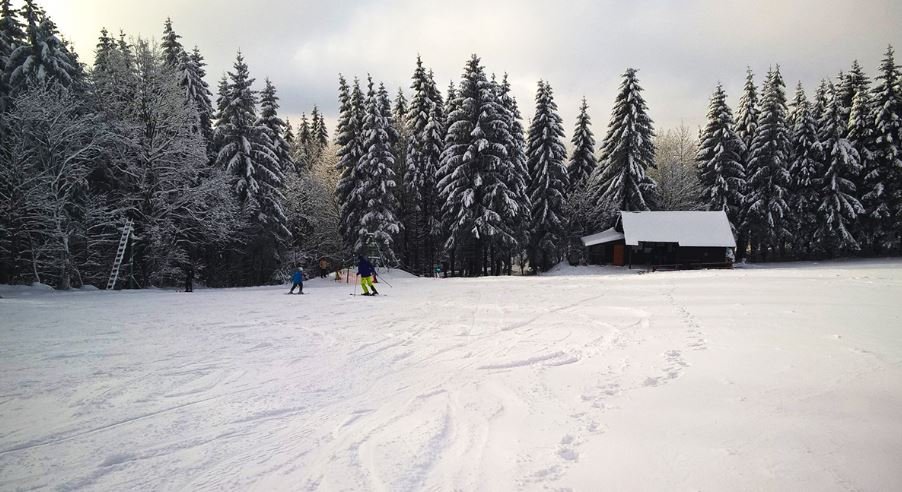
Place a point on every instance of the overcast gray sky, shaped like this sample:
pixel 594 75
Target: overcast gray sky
pixel 682 48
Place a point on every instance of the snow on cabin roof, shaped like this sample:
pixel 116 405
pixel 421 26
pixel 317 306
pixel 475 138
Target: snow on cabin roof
pixel 602 237
pixel 698 229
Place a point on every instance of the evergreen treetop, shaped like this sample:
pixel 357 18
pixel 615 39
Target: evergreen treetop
pixel 548 180
pixel 720 168
pixel 767 212
pixel 275 127
pixel 473 184
pixel 172 48
pixel 747 113
pixel 626 153
pixel 582 160
pixel 839 207
pixel 376 179
pixel 42 58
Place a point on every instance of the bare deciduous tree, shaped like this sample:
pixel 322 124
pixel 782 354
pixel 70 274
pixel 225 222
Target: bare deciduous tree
pixel 675 172
pixel 312 209
pixel 44 166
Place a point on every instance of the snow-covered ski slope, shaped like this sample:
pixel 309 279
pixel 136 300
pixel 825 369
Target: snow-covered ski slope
pixel 782 377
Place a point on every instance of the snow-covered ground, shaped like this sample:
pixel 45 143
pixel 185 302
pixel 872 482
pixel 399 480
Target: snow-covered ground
pixel 780 377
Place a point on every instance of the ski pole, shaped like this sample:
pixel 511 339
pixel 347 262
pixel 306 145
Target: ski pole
pixel 385 282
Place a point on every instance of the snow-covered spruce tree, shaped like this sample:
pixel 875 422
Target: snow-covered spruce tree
pixel 315 138
pixel 106 45
pixel 346 129
pixel 797 107
pixel 580 207
pixel 473 186
pixel 851 83
pixel 886 113
pixel 125 49
pixel 113 77
pixel 628 150
pixel 434 143
pixel 318 131
pixel 222 102
pixel 443 231
pixel 200 63
pixel 839 208
pixel 289 135
pixel 291 140
pixel 247 155
pixel 516 176
pixel 350 141
pixel 719 160
pixel 11 28
pixel 114 83
pixel 378 223
pixel 237 130
pixel 399 109
pixel 747 115
pixel 11 37
pixel 548 181
pixel 746 125
pixel 407 244
pixel 304 134
pixel 805 171
pixel 424 147
pixel 767 212
pixel 869 179
pixel 104 70
pixel 222 96
pixel 172 48
pixel 302 155
pixel 385 106
pixel 275 127
pixel 42 58
pixel 582 160
pixel 821 101
pixel 450 101
pixel 191 79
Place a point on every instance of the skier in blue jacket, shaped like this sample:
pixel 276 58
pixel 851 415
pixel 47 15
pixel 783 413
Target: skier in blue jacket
pixel 366 271
pixel 298 281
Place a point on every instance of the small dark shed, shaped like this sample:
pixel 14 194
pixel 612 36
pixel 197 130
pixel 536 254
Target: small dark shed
pixel 665 240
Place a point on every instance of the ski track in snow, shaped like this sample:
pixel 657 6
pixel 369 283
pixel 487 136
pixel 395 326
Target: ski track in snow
pixel 783 377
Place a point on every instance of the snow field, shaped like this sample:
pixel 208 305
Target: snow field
pixel 784 377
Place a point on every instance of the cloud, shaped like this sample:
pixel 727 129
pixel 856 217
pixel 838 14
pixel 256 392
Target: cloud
pixel 581 47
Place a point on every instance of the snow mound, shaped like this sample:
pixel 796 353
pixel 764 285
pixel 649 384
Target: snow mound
pixel 12 291
pixel 564 269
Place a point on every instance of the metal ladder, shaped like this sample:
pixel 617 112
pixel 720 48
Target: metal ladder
pixel 120 254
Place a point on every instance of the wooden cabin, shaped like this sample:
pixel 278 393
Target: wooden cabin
pixel 664 240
